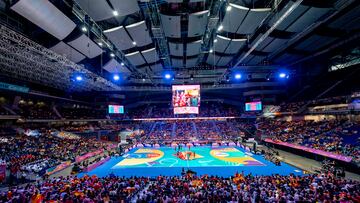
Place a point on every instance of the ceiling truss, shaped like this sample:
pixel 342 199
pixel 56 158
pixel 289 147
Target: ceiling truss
pixel 151 12
pixel 26 60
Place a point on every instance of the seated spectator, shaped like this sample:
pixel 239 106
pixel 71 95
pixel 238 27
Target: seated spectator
pixel 28 155
pixel 323 135
pixel 189 188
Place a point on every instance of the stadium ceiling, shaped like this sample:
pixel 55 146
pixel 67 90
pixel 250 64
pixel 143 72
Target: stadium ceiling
pixel 199 41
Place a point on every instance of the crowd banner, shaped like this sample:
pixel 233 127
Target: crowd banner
pixel 88 155
pixel 58 168
pixel 95 165
pixel 311 150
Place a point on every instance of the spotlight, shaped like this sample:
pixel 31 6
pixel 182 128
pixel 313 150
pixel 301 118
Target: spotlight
pixel 282 75
pixel 167 76
pixel 191 77
pixel 84 29
pixel 100 44
pixel 143 79
pixel 112 55
pixel 79 78
pixel 220 28
pixel 238 76
pixel 134 43
pixel 228 8
pixel 227 78
pixel 116 77
pixel 122 63
pixel 211 50
pixel 115 13
pixel 215 40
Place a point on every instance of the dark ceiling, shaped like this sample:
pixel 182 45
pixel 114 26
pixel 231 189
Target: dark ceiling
pixel 197 41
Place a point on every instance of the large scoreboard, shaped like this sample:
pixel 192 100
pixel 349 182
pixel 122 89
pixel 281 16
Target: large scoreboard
pixel 186 99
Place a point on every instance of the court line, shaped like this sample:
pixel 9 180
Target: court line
pixel 147 163
pixel 205 161
pixel 176 161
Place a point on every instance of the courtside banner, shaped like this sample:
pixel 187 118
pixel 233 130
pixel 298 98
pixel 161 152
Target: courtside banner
pixel 88 155
pixel 58 168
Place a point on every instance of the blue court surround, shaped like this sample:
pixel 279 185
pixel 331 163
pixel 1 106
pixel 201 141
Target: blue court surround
pixel 225 171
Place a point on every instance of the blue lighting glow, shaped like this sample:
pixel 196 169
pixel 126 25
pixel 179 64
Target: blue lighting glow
pixel 238 76
pixel 79 78
pixel 282 75
pixel 116 77
pixel 167 76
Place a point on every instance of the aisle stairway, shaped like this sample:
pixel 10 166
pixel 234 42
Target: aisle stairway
pixel 218 111
pixel 232 126
pixel 195 129
pixel 150 111
pixel 153 127
pixel 216 128
pixel 173 132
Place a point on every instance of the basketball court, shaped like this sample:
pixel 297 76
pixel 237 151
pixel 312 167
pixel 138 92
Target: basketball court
pixel 221 161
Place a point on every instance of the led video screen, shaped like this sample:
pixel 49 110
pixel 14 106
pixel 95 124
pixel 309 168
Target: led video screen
pixel 186 99
pixel 115 109
pixel 253 106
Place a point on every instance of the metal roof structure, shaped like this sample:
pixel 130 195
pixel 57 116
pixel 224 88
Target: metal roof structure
pixel 199 41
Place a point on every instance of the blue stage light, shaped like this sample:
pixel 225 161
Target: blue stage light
pixel 167 76
pixel 78 78
pixel 282 75
pixel 116 77
pixel 238 76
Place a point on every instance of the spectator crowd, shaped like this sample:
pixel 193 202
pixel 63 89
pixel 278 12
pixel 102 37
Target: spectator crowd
pixel 187 188
pixel 327 135
pixel 31 155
